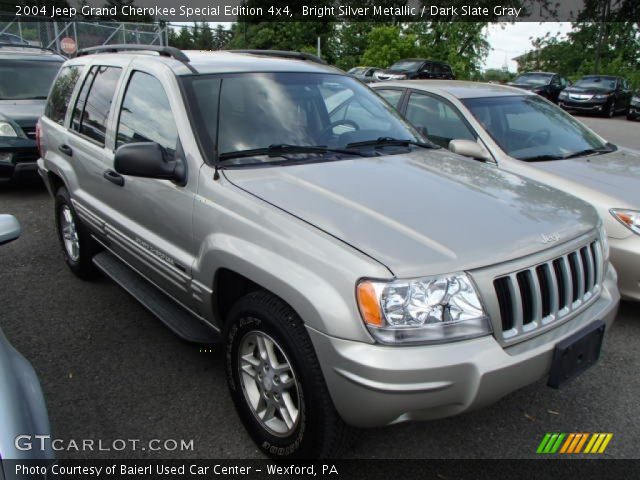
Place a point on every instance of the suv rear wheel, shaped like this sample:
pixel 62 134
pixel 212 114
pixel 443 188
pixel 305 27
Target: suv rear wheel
pixel 78 247
pixel 276 382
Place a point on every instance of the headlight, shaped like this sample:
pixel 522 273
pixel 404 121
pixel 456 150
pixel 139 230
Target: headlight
pixel 602 96
pixel 398 77
pixel 635 100
pixel 563 95
pixel 7 130
pixel 425 310
pixel 629 218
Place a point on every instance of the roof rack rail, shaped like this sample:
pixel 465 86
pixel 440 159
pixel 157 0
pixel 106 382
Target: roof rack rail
pixel 162 50
pixel 283 54
pixel 24 45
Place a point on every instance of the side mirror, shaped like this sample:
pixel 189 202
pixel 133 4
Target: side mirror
pixel 469 148
pixel 9 229
pixel 148 159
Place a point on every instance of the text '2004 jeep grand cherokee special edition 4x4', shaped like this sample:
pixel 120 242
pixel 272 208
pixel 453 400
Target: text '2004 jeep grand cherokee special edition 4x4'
pixel 358 276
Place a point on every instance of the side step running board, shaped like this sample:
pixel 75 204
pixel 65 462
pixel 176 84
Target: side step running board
pixel 181 322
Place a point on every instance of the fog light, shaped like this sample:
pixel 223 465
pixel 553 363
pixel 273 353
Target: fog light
pixel 5 156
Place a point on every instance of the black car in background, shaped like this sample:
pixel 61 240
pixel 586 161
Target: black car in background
pixel 606 95
pixel 364 74
pixel 634 106
pixel 26 74
pixel 416 68
pixel 546 84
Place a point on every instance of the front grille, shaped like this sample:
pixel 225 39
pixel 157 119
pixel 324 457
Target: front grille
pixel 537 296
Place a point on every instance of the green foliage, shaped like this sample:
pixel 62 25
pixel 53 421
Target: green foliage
pixel 199 37
pixel 389 43
pixel 609 48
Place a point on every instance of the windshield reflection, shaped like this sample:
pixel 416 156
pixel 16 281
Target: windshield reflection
pixel 531 129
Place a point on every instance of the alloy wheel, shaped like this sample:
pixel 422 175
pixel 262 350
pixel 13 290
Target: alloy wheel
pixel 69 233
pixel 269 383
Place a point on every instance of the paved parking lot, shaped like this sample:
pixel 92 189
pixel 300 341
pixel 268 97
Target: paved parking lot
pixel 111 371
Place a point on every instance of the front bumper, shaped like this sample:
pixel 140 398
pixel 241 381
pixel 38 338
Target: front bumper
pixel 375 385
pixel 625 256
pixel 634 111
pixel 586 106
pixel 23 155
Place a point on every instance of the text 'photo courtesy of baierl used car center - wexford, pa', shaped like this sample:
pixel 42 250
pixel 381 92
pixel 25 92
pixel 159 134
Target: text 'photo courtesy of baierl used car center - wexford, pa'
pixel 343 239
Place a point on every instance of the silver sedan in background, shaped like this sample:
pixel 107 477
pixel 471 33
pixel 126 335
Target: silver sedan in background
pixel 22 406
pixel 521 132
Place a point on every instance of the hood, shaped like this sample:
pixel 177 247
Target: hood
pixel 525 86
pixel 616 174
pixel 24 112
pixel 425 212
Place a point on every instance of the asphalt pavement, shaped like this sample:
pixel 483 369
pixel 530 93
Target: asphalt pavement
pixel 111 371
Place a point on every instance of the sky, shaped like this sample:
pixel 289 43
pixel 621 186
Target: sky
pixel 513 39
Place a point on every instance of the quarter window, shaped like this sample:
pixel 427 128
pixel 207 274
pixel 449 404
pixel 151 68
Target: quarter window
pixel 146 114
pixel 92 109
pixel 61 93
pixel 441 121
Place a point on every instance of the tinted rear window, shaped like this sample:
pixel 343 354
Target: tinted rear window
pixel 26 79
pixel 61 93
pixel 92 110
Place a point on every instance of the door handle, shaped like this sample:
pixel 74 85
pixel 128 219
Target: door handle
pixel 114 177
pixel 66 149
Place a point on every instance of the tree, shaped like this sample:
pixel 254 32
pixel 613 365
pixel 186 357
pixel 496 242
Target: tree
pixel 181 40
pixel 388 44
pixel 205 39
pixel 221 37
pixel 604 40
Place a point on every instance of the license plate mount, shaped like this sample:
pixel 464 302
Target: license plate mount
pixel 575 354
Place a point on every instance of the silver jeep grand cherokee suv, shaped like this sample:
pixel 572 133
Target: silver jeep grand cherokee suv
pixel 356 275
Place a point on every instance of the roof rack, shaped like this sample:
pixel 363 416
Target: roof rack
pixel 162 50
pixel 32 47
pixel 283 54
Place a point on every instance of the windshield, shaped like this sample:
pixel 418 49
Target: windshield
pixel 530 128
pixel 26 79
pixel 267 110
pixel 600 83
pixel 406 65
pixel 533 79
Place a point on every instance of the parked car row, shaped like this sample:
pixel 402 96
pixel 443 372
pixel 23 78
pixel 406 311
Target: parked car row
pixel 359 268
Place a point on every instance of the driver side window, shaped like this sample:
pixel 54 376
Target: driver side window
pixel 146 114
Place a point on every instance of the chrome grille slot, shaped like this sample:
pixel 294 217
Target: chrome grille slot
pixel 534 297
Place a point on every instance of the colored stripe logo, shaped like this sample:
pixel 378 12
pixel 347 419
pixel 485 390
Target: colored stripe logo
pixel 574 443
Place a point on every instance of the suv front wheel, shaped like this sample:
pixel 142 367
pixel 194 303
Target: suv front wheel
pixel 78 247
pixel 276 382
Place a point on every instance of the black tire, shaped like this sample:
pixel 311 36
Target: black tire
pixel 610 112
pixel 82 266
pixel 319 432
pixel 631 117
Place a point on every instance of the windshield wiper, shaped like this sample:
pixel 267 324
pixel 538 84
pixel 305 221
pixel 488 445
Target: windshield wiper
pixel 280 150
pixel 541 158
pixel 588 152
pixel 390 141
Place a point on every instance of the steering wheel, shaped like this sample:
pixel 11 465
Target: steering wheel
pixel 329 129
pixel 543 135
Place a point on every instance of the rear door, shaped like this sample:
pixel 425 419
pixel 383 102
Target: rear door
pixel 86 138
